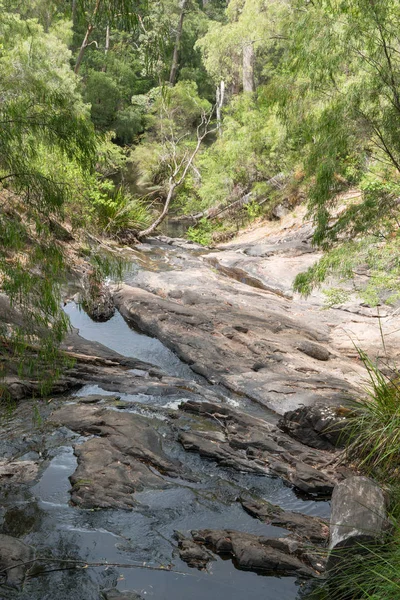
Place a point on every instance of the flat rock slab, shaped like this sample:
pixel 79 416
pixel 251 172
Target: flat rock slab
pixel 123 456
pixel 255 343
pixel 311 529
pixel 286 556
pixel 13 552
pixel 249 444
pixel 18 471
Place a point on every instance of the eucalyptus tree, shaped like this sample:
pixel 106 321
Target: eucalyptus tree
pixel 123 13
pixel 232 49
pixel 339 88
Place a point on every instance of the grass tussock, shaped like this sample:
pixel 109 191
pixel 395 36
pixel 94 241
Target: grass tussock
pixel 373 444
pixel 374 426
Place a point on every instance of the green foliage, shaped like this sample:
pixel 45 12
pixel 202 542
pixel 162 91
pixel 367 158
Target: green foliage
pixel 104 96
pixel 373 444
pixel 41 115
pixel 172 119
pixel 117 211
pixel 249 151
pixel 371 572
pixel 340 98
pixel 203 231
pixel 248 22
pixel 374 428
pixel 254 210
pixel 379 257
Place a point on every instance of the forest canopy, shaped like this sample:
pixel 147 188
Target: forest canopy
pixel 115 112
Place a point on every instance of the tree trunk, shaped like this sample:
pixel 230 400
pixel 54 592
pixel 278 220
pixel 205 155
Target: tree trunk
pixel 107 40
pixel 219 104
pixel 107 47
pixel 73 10
pixel 161 217
pixel 174 183
pixel 175 57
pixel 248 67
pixel 89 30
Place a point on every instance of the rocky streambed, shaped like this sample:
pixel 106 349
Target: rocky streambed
pixel 163 467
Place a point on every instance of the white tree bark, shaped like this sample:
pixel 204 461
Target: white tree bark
pixel 219 104
pixel 180 171
pixel 248 67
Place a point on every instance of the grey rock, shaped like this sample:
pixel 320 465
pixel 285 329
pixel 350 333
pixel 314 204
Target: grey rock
pixel 317 426
pixel 97 300
pixel 280 210
pixel 115 594
pixel 227 332
pixel 261 554
pixel 246 443
pixel 14 552
pixel 313 529
pixel 18 471
pixel 314 350
pixel 194 555
pixel 358 517
pixel 125 456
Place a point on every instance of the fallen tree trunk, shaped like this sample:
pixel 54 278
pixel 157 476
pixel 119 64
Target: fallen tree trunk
pixel 277 182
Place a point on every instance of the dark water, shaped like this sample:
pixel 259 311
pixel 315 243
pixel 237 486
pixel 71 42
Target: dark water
pixel 41 515
pixel 118 336
pixel 173 228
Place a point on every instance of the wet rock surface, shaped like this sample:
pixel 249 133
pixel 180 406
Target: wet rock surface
pixel 245 329
pixel 124 456
pixel 286 556
pixel 250 444
pixel 16 558
pixel 163 451
pixel 117 595
pixel 321 427
pixel 314 529
pixel 246 341
pixel 193 554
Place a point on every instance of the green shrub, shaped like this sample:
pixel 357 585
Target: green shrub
pixel 374 428
pixel 372 573
pixel 373 445
pixel 203 232
pixel 118 211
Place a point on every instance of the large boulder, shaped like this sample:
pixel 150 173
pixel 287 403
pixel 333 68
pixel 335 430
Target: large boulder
pixel 317 426
pixel 358 517
pixel 96 299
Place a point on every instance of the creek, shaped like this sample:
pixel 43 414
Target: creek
pixel 41 514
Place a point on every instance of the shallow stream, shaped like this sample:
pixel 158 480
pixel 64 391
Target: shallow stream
pixel 41 513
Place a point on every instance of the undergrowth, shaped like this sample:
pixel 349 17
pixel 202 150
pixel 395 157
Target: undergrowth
pixel 374 426
pixel 205 230
pixel 372 572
